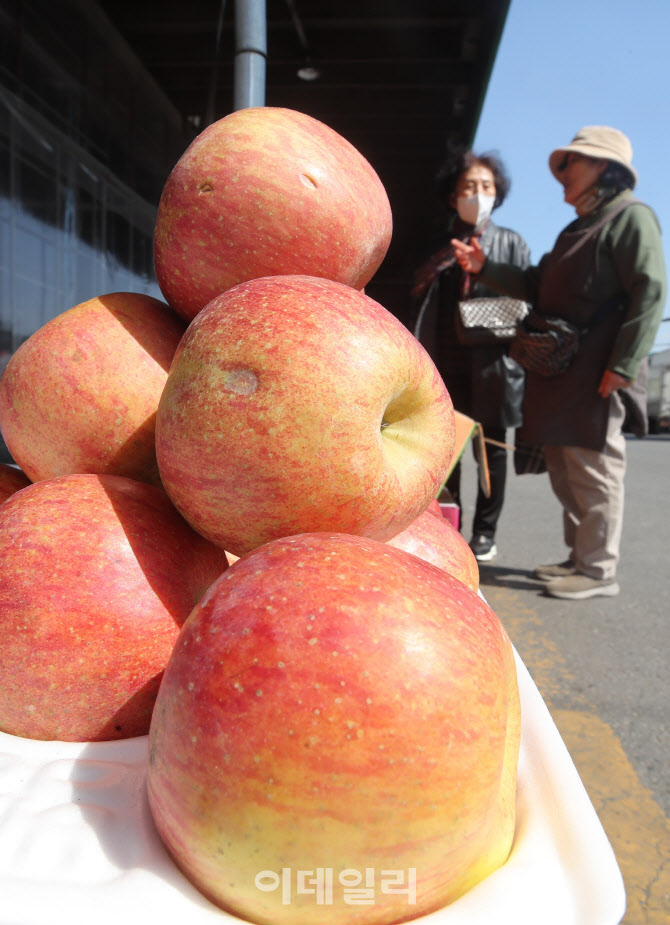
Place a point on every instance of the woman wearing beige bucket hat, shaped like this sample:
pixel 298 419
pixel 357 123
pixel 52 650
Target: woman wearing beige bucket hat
pixel 605 275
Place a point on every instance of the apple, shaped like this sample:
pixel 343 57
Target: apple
pixel 294 405
pixel 336 704
pixel 81 393
pixel 12 480
pixel 267 191
pixel 439 542
pixel 98 575
pixel 434 507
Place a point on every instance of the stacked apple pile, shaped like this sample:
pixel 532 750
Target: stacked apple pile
pixel 339 700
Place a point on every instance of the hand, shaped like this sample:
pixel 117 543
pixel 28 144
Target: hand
pixel 610 382
pixel 470 256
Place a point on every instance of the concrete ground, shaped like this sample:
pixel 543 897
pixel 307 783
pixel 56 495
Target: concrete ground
pixel 601 665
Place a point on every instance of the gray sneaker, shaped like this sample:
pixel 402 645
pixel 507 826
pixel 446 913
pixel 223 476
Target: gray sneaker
pixel 560 570
pixel 579 587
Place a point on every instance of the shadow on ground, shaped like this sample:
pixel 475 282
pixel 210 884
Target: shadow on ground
pixel 498 576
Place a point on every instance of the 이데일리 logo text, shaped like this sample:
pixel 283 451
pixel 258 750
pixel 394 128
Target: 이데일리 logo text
pixel 356 887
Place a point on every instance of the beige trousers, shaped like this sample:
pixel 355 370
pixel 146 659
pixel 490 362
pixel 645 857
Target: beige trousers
pixel 589 486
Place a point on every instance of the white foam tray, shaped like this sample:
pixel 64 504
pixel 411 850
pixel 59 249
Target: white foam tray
pixel 78 845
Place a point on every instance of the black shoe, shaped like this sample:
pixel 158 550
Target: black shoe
pixel 483 547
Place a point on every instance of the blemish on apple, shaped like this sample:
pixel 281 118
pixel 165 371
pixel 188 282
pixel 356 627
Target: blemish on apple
pixel 240 381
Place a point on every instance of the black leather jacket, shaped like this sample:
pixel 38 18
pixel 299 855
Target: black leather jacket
pixel 483 382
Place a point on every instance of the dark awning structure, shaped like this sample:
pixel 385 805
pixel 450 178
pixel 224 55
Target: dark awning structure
pixel 397 78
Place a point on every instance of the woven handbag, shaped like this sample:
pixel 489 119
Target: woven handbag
pixel 544 344
pixel 489 320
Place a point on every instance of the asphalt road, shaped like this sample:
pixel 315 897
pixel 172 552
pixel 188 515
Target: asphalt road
pixel 601 664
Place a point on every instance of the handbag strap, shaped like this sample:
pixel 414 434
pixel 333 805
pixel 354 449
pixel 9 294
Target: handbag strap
pixel 608 214
pixel 425 302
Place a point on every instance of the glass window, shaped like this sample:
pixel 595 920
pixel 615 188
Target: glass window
pixel 69 231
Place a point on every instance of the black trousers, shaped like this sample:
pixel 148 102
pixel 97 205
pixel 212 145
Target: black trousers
pixel 487 510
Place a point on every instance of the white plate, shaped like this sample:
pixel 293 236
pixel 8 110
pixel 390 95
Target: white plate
pixel 78 845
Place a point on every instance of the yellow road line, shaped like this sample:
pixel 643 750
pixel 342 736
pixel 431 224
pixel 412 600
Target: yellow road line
pixel 637 827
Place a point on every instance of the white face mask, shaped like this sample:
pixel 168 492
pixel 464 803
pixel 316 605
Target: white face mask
pixel 475 210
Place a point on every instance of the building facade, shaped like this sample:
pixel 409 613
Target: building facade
pixel 86 143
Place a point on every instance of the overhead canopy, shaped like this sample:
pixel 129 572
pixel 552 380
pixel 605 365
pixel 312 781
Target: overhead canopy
pixel 397 78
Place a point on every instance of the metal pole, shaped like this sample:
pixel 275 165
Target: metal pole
pixel 250 53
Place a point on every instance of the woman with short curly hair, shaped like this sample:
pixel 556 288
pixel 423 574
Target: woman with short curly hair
pixel 483 381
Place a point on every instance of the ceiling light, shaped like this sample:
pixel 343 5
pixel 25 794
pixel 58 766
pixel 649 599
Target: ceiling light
pixel 308 72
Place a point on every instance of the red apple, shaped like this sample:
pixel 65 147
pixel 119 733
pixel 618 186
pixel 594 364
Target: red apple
pixel 434 507
pixel 11 480
pixel 80 395
pixel 336 704
pixel 439 542
pixel 267 191
pixel 98 575
pixel 295 405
